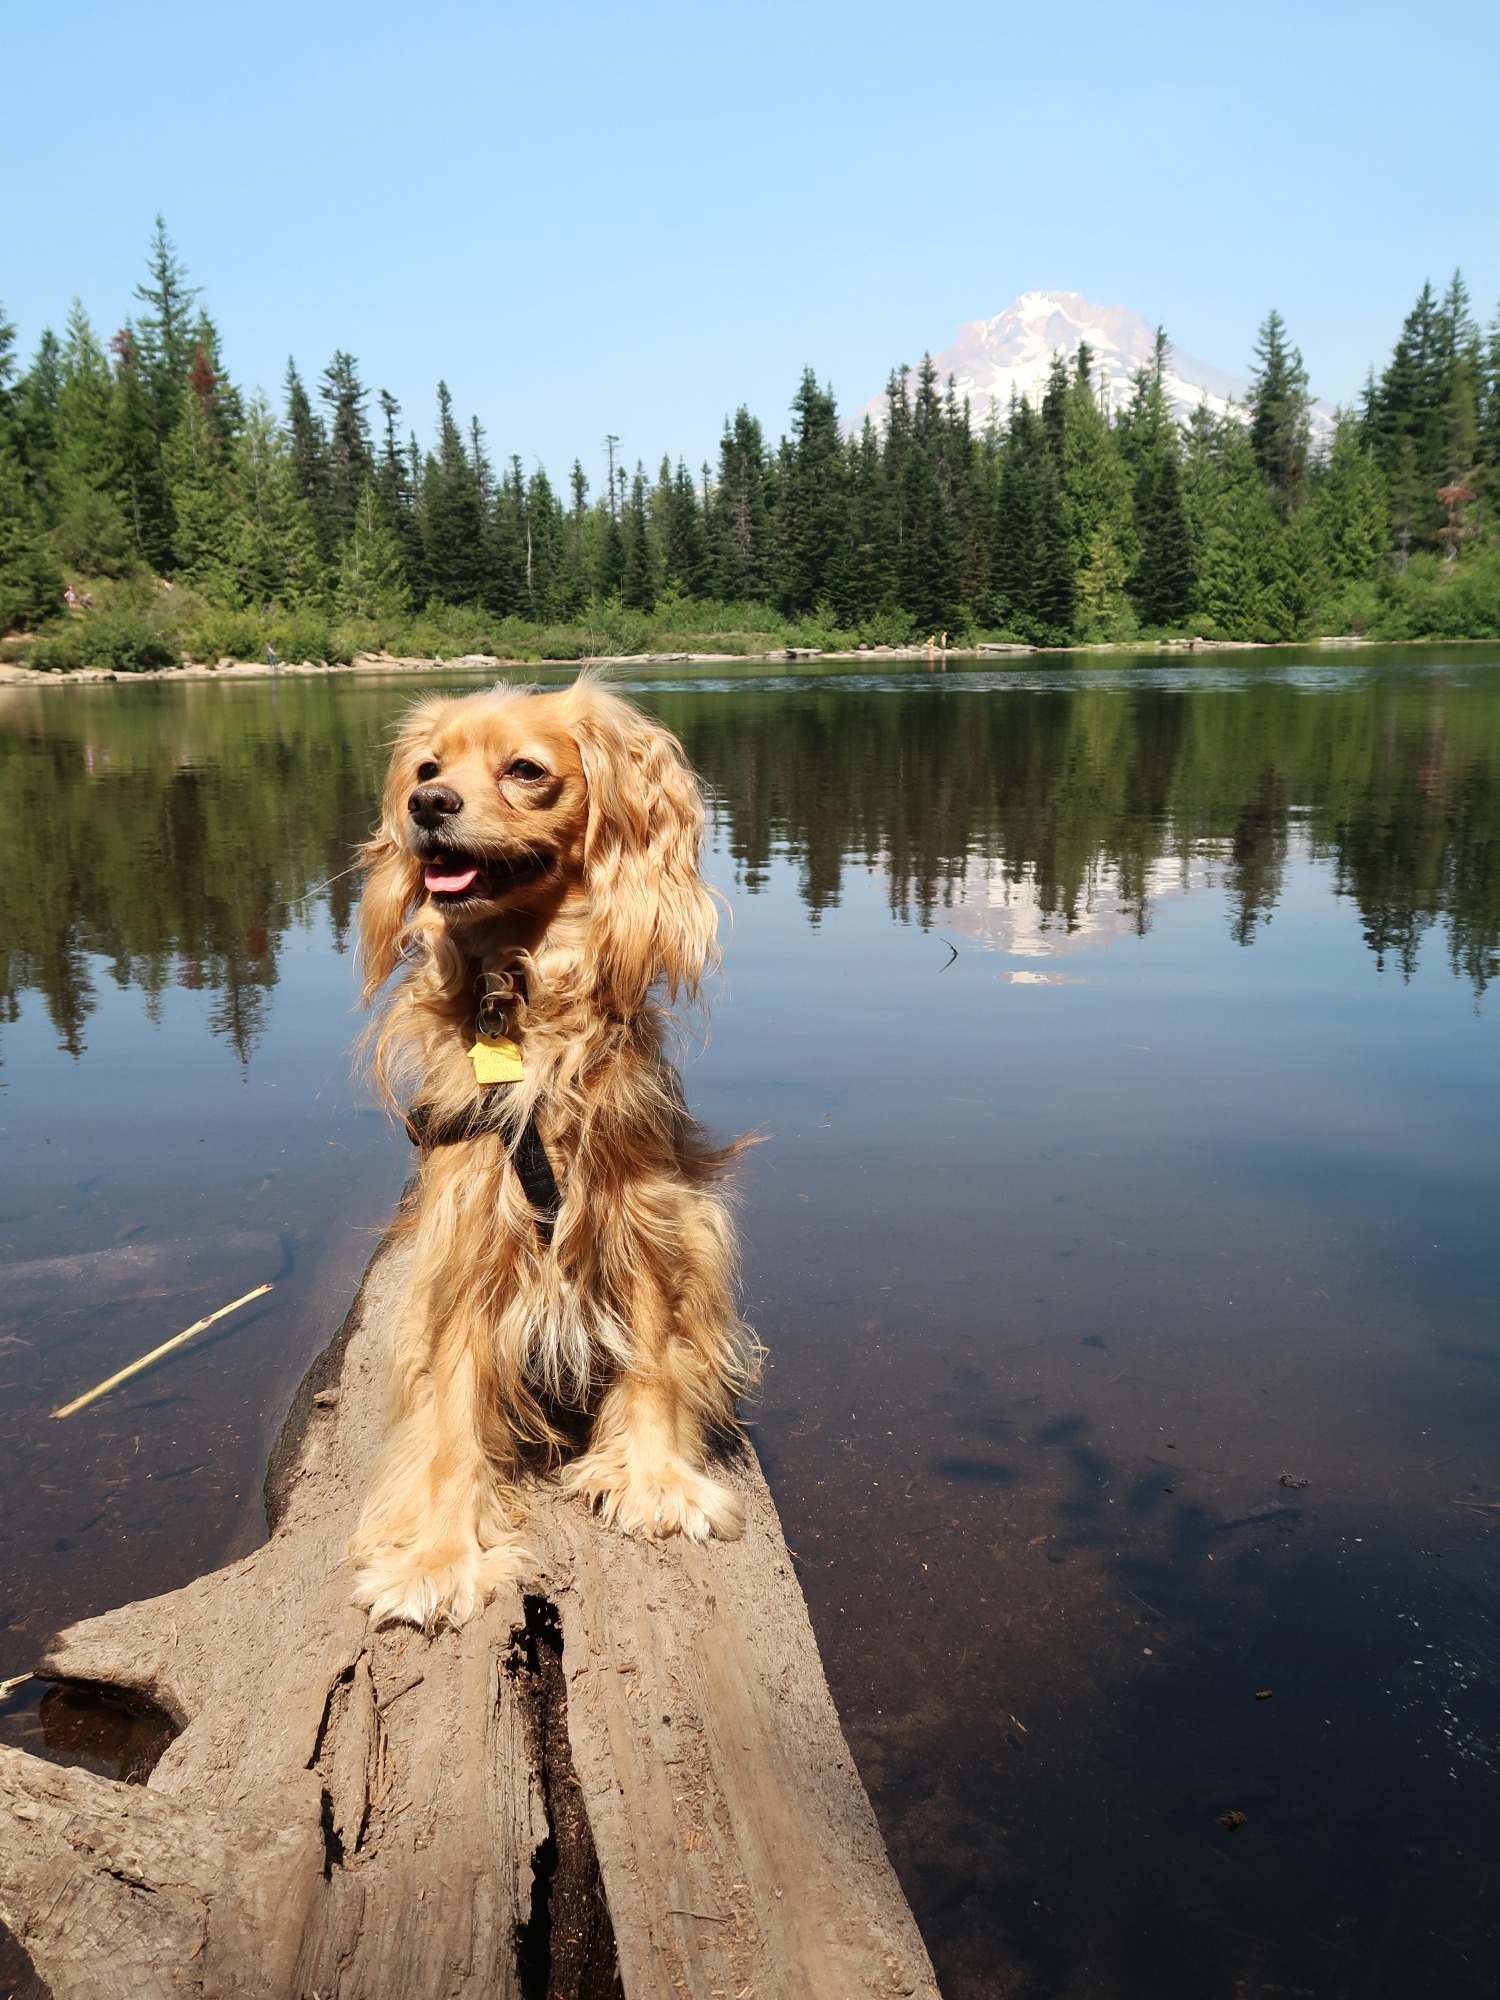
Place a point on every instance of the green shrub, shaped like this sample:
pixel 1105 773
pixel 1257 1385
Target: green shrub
pixel 125 634
pixel 218 632
pixel 888 628
pixel 1428 599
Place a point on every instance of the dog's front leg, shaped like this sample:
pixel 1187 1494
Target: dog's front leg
pixel 438 1535
pixel 644 1468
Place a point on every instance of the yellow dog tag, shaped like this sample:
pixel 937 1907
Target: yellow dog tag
pixel 496 1059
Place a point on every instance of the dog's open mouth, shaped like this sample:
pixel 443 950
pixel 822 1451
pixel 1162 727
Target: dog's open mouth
pixel 473 878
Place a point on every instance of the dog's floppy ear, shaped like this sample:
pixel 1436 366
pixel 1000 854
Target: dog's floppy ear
pixel 393 875
pixel 393 878
pixel 652 918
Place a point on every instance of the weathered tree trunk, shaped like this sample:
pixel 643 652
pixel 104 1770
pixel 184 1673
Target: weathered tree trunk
pixel 630 1779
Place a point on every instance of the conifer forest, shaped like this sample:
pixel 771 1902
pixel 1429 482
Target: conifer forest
pixel 151 510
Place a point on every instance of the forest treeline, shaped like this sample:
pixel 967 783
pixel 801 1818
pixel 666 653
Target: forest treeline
pixel 152 844
pixel 150 508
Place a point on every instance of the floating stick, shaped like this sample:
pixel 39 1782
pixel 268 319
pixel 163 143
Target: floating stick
pixel 8 1688
pixel 81 1402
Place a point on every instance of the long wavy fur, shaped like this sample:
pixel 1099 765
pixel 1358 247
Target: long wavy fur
pixel 629 1313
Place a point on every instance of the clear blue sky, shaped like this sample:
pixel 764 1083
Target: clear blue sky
pixel 595 218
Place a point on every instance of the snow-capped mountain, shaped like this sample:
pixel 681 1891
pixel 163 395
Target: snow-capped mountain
pixel 990 357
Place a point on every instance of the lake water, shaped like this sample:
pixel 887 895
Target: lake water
pixel 1124 1041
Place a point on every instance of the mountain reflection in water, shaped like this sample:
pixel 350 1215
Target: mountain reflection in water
pixel 1123 1242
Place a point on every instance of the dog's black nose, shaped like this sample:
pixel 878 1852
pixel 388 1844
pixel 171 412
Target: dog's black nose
pixel 430 805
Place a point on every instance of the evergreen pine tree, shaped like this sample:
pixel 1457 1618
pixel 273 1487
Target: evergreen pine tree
pixel 809 526
pixel 1015 536
pixel 978 519
pixel 1489 408
pixel 1350 508
pixel 398 500
pixel 1145 428
pixel 196 462
pixel 142 484
pixel 1462 419
pixel 1204 470
pixel 272 555
pixel 1054 589
pixel 350 460
pixel 309 443
pixel 1101 523
pixel 685 555
pixel 164 331
pixel 34 416
pixel 578 581
pixel 1103 603
pixel 739 520
pixel 454 553
pixel 864 581
pixel 9 375
pixel 1054 569
pixel 1163 582
pixel 928 560
pixel 609 544
pixel 1055 401
pixel 1279 405
pixel 1240 531
pixel 637 584
pixel 510 573
pixel 30 580
pixel 89 527
pixel 1032 566
pixel 1416 413
pixel 545 542
pixel 372 582
pixel 1296 579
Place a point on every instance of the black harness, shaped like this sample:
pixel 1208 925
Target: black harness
pixel 528 1156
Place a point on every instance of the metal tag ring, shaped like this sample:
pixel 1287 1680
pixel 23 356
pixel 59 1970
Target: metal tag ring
pixel 493 1016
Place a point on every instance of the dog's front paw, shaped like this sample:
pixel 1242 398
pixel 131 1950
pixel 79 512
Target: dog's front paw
pixel 655 1495
pixel 433 1587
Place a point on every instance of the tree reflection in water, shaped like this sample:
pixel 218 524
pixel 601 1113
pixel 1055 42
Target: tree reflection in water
pixel 180 834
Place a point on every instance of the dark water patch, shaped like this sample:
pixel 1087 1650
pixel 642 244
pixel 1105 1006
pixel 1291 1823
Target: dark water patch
pixel 104 1730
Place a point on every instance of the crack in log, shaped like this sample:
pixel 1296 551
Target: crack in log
pixel 346 1757
pixel 565 1950
pixel 132 1881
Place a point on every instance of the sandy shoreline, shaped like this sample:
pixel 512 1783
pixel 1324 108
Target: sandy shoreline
pixel 14 675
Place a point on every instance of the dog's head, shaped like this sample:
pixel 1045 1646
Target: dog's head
pixel 506 810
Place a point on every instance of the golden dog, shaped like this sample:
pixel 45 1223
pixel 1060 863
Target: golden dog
pixel 533 902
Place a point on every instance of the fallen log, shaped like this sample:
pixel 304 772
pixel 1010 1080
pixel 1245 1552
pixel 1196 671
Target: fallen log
pixel 628 1779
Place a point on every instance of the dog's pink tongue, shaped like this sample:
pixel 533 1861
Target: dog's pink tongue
pixel 441 884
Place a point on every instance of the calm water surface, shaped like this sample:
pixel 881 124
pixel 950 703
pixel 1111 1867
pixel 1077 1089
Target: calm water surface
pixel 1125 1047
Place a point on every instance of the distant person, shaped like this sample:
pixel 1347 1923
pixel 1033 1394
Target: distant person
pixel 70 595
pixel 271 660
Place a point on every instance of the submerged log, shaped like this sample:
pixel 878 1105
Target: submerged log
pixel 627 1779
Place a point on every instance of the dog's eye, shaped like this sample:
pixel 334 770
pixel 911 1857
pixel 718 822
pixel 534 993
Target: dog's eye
pixel 524 769
pixel 427 770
